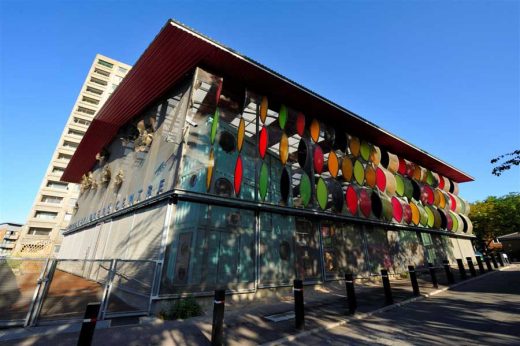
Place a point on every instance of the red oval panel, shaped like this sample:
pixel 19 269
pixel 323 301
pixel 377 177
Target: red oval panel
pixel 351 197
pixel 402 166
pixel 397 209
pixel 407 213
pixel 262 144
pixel 318 159
pixel 441 182
pixel 427 196
pixel 410 168
pixel 238 175
pixel 365 203
pixel 449 221
pixel 453 204
pixel 380 179
pixel 300 124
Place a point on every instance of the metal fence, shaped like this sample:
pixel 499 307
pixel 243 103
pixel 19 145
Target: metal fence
pixel 44 291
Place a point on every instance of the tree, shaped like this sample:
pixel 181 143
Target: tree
pixel 507 164
pixel 495 216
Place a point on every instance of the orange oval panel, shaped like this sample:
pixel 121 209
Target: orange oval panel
pixel 284 148
pixel 346 168
pixel 333 164
pixel 375 155
pixel 209 169
pixel 241 133
pixel 354 146
pixel 315 130
pixel 370 176
pixel 263 109
pixel 416 216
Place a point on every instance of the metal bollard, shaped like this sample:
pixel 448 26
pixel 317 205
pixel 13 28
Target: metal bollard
pixel 89 324
pixel 433 275
pixel 449 274
pixel 494 260
pixel 462 271
pixel 386 285
pixel 500 259
pixel 480 265
pixel 217 330
pixel 413 279
pixel 488 264
pixel 299 313
pixel 471 267
pixel 351 293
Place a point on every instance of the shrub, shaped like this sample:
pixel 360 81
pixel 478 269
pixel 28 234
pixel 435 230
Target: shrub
pixel 182 309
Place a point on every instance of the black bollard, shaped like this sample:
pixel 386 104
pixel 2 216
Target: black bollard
pixel 471 267
pixel 462 271
pixel 413 279
pixel 488 264
pixel 217 331
pixel 500 259
pixel 89 324
pixel 299 313
pixel 494 260
pixel 449 274
pixel 386 285
pixel 351 293
pixel 480 265
pixel 433 275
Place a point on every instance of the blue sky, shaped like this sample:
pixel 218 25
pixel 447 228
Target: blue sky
pixel 443 75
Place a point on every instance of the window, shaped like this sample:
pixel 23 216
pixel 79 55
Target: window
pixel 69 144
pixel 56 248
pixel 57 185
pixel 98 81
pixel 76 132
pixel 81 121
pixel 67 217
pixel 72 202
pixel 90 100
pixel 45 215
pixel 64 157
pixel 122 69
pixel 86 110
pixel 102 72
pixel 51 199
pixel 118 79
pixel 105 63
pixel 94 90
pixel 39 231
pixel 58 170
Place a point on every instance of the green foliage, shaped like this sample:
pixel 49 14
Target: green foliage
pixel 495 216
pixel 507 161
pixel 182 309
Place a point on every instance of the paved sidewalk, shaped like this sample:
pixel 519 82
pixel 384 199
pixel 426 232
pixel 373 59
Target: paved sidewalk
pixel 244 324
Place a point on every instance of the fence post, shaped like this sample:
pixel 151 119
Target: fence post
pixel 386 286
pixel 351 293
pixel 299 313
pixel 413 279
pixel 488 264
pixel 480 265
pixel 433 275
pixel 471 267
pixel 449 274
pixel 462 271
pixel 217 330
pixel 500 259
pixel 89 324
pixel 494 260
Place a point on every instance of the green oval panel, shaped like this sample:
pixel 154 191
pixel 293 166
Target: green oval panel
pixel 431 217
pixel 399 187
pixel 365 150
pixel 359 172
pixel 282 116
pixel 264 179
pixel 305 189
pixel 387 208
pixel 429 178
pixel 408 188
pixel 424 215
pixel 214 125
pixel 322 193
pixel 455 222
pixel 462 206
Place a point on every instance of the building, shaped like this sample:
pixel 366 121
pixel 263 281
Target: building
pixel 222 172
pixel 9 235
pixel 55 200
pixel 511 245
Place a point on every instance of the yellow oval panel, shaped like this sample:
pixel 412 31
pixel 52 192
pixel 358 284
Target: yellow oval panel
pixel 263 109
pixel 346 168
pixel 315 130
pixel 284 148
pixel 354 146
pixel 375 155
pixel 241 133
pixel 333 164
pixel 209 173
pixel 370 176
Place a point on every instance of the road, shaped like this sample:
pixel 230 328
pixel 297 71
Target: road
pixel 481 312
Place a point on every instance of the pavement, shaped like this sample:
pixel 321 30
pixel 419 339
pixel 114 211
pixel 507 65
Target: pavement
pixel 482 310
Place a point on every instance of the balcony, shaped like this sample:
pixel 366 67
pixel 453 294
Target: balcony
pixel 7 245
pixel 12 237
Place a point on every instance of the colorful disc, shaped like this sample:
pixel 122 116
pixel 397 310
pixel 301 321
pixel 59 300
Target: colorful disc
pixel 346 168
pixel 365 203
pixel 315 130
pixel 333 164
pixel 284 148
pixel 241 133
pixel 430 215
pixel 359 172
pixel 300 124
pixel 351 197
pixel 380 179
pixel 264 180
pixel 263 109
pixel 416 216
pixel 209 169
pixel 322 193
pixel 407 213
pixel 365 150
pixel 238 175
pixel 402 166
pixel 263 141
pixel 397 209
pixel 305 189
pixel 354 146
pixel 370 175
pixel 399 187
pixel 282 116
pixel 427 196
pixel 214 126
pixel 318 159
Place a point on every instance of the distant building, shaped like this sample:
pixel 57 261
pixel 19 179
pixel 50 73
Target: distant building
pixel 55 200
pixel 222 172
pixel 511 245
pixel 9 235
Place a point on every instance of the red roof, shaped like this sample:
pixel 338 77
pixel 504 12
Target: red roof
pixel 175 51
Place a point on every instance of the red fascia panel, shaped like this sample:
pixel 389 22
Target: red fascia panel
pixel 176 51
